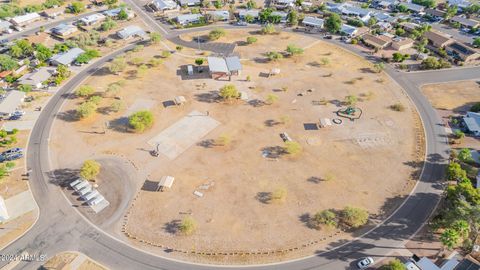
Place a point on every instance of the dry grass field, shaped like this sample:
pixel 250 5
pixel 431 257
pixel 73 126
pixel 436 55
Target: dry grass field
pixel 364 163
pixel 455 96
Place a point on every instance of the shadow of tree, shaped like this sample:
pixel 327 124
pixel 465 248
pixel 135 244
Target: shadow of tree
pixel 315 180
pixel 209 143
pixel 172 227
pixel 62 177
pixel 264 197
pixel 68 116
pixel 209 97
pixel 271 123
pixel 273 151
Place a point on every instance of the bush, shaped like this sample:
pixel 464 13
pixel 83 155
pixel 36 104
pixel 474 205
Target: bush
pixel 199 61
pixel 138 48
pixel 293 148
pixel 188 226
pixel 25 88
pixel 117 65
pixel 396 264
pixel 86 109
pixel 274 56
pixel 398 107
pixel 251 40
pixel 95 100
pixel 351 100
pixel 279 195
pixel 216 34
pixel 271 98
pixel 84 91
pixel 229 91
pixel 354 217
pixel 379 67
pixel 294 50
pixel 268 29
pixel 155 37
pixel 325 217
pixel 475 107
pixel 166 54
pixel 223 140
pixel 155 62
pixel 90 169
pixel 141 120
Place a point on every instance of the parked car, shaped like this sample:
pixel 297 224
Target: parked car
pixel 285 137
pixel 12 151
pixel 328 37
pixel 365 263
pixel 241 23
pixel 13 157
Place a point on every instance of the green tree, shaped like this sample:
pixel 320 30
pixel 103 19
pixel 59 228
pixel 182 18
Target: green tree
pixel 84 91
pixel 108 24
pixel 95 100
pixel 425 3
pixel 199 61
pixel 43 52
pixel 293 148
pixel 402 8
pixel 271 98
pixel 251 4
pixel 86 109
pixel 268 29
pixel 90 169
pixel 7 62
pixel 379 67
pixel 395 264
pixel 77 7
pixel 229 92
pixel 251 40
pixel 325 217
pixel 117 65
pixel 279 195
pixel 155 37
pixel 294 50
pixel 249 18
pixel 372 21
pixel 351 100
pixel 450 238
pixel 476 42
pixel 354 217
pixel 455 172
pixel 274 56
pixel 216 34
pixel 188 226
pixel 475 107
pixel 141 120
pixel 122 15
pixel 292 17
pixel 465 155
pixel 333 24
pixel 451 11
pixel 399 32
pixel 116 106
pixel 25 88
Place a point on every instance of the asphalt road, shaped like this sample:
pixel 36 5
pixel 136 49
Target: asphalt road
pixel 60 227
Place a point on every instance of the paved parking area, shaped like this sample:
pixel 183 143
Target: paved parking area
pixel 177 138
pixel 20 204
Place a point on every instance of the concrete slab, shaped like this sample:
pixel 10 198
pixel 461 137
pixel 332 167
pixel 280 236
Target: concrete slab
pixel 180 136
pixel 100 206
pixel 20 204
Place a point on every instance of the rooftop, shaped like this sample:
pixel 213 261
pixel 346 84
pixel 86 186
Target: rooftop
pixel 37 77
pixel 313 21
pixel 11 102
pixel 68 57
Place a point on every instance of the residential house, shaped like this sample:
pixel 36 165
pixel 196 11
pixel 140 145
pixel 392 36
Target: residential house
pixel 220 67
pixel 462 52
pixel 190 3
pixel 66 58
pixel 53 13
pixel 437 39
pixel 464 22
pixel 92 19
pixel 37 77
pixel 164 5
pixel 282 15
pixel 348 30
pixel 409 27
pixel 383 17
pixel 11 102
pixel 386 4
pixel 401 44
pixel 435 13
pixel 472 123
pixel 313 22
pixel 384 26
pixel 131 31
pixel 4 26
pixel 283 4
pixel 219 15
pixel 254 13
pixel 414 7
pixel 461 4
pixel 350 10
pixel 377 42
pixel 113 13
pixel 23 20
pixel 64 30
pixel 186 19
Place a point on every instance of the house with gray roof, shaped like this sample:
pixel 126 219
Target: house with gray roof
pixel 4 26
pixel 190 3
pixel 23 20
pixel 348 30
pixel 66 58
pixel 472 123
pixel 461 4
pixel 64 30
pixel 313 22
pixel 221 67
pixel 465 22
pixel 131 31
pixel 92 19
pixel 414 7
pixel 186 19
pixel 37 77
pixel 163 5
pixel 11 102
pixel 254 13
pixel 219 15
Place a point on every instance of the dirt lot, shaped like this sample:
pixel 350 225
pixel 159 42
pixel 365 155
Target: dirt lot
pixel 232 215
pixel 455 96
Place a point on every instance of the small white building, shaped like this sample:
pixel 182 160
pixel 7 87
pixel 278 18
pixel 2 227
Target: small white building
pixel 92 19
pixel 186 19
pixel 131 31
pixel 164 5
pixel 23 20
pixel 165 182
pixel 313 22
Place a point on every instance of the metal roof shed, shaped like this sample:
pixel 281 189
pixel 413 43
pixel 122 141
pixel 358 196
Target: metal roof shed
pixel 66 58
pixel 81 185
pixel 233 64
pixel 96 200
pixel 94 193
pixel 166 182
pixel 11 102
pixel 217 65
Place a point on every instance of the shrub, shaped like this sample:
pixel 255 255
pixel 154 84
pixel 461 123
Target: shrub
pixel 90 169
pixel 351 100
pixel 294 50
pixel 271 98
pixel 141 120
pixel 268 29
pixel 229 91
pixel 379 67
pixel 475 107
pixel 398 107
pixel 199 61
pixel 279 195
pixel 166 54
pixel 155 37
pixel 138 48
pixel 325 217
pixel 396 264
pixel 251 40
pixel 216 34
pixel 84 91
pixel 86 109
pixel 354 217
pixel 25 88
pixel 274 56
pixel 117 65
pixel 223 140
pixel 116 106
pixel 188 226
pixel 293 148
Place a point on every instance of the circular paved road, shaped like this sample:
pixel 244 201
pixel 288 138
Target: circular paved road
pixel 60 227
